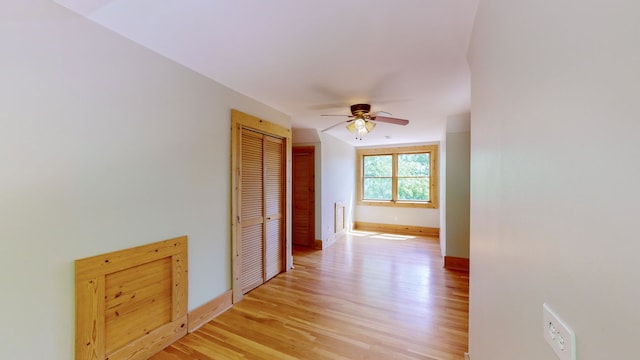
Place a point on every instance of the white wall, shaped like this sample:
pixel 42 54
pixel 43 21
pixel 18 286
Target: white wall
pixel 442 151
pixel 338 163
pixel 457 194
pixel 398 216
pixel 554 180
pixel 104 145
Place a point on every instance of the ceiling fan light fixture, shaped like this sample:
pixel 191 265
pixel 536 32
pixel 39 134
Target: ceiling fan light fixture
pixel 360 127
pixel 362 121
pixel 369 125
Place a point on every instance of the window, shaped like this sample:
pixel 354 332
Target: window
pixel 399 176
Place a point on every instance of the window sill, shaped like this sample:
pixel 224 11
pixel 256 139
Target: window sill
pixel 410 204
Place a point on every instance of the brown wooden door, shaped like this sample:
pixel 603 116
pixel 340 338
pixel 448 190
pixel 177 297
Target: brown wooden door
pixel 261 209
pixel 303 196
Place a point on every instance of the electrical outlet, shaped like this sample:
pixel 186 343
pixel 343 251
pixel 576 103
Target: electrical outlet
pixel 559 336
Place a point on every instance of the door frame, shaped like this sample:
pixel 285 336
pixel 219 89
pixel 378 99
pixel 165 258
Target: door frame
pixel 241 120
pixel 312 215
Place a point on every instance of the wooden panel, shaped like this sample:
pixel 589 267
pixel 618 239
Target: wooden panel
pixel 274 263
pixel 131 303
pixel 90 344
pixel 273 185
pixel 397 229
pixel 251 180
pixel 241 122
pixel 303 196
pixel 137 301
pixel 251 176
pixel 252 210
pixel 179 299
pixel 119 260
pixel 259 124
pixel 252 272
pixel 261 208
pixel 274 188
pixel 153 343
pixel 456 263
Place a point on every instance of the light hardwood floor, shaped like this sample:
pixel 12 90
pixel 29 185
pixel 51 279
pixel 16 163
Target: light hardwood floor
pixel 366 297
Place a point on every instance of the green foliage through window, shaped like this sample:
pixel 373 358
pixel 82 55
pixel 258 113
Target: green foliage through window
pixel 412 176
pixel 378 171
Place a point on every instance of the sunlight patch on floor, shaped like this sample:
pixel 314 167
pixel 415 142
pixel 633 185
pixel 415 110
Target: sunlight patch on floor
pixel 361 233
pixel 393 237
pixel 378 235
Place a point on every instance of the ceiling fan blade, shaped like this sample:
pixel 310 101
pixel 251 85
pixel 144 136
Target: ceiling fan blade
pixel 381 113
pixel 390 120
pixel 334 125
pixel 334 115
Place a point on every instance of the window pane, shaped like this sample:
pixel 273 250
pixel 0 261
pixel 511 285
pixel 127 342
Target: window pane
pixel 377 166
pixel 377 189
pixel 413 189
pixel 413 164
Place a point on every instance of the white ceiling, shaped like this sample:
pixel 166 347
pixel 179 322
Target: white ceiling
pixel 307 58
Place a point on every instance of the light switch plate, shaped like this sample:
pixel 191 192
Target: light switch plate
pixel 559 336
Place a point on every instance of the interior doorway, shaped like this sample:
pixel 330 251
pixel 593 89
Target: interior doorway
pixel 304 196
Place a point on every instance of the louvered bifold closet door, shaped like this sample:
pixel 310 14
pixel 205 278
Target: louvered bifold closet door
pixel 252 210
pixel 274 199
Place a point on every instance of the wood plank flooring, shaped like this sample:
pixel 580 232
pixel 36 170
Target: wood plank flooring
pixel 369 296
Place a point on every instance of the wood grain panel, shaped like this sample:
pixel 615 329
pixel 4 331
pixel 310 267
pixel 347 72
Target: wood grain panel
pixel 456 263
pixel 252 210
pixel 274 249
pixel 90 343
pixel 131 303
pixel 397 229
pixel 274 190
pixel 251 176
pixel 138 300
pixel 273 186
pixel 120 260
pixel 180 280
pixel 303 196
pixel 153 343
pixel 253 122
pixel 241 123
pixel 252 272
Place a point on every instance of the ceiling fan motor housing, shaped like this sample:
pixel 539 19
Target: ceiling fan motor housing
pixel 360 109
pixel 362 112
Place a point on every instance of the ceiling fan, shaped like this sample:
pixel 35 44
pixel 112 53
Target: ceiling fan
pixel 362 121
